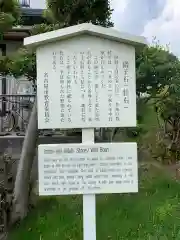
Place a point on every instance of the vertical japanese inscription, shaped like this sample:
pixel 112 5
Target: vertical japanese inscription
pixel 75 75
pixel 102 67
pixel 62 88
pixel 61 58
pixel 89 67
pixel 116 75
pixel 54 60
pixel 69 89
pixel 46 98
pixel 126 72
pixel 83 106
pixel 96 87
pixel 110 86
pixel 126 81
pixel 117 87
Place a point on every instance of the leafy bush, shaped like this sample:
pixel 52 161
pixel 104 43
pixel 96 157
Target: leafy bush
pixel 135 131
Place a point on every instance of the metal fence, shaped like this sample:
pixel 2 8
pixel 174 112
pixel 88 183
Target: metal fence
pixel 15 112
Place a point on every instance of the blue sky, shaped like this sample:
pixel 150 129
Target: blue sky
pixel 150 18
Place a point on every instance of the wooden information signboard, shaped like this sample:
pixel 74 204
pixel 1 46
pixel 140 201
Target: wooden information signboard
pixel 86 79
pixel 87 82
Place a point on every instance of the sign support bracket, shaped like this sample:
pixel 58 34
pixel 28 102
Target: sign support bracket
pixel 89 200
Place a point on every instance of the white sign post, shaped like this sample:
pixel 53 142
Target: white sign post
pixel 86 79
pixel 89 200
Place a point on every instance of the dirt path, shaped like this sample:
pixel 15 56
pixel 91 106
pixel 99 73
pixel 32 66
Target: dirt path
pixel 171 170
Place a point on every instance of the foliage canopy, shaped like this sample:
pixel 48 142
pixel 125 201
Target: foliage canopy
pixel 9 14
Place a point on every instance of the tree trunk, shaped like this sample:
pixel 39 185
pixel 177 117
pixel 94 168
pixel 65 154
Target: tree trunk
pixel 21 188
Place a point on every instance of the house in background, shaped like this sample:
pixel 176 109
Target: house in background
pixel 12 41
pixel 12 90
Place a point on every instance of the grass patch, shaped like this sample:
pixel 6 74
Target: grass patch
pixel 153 213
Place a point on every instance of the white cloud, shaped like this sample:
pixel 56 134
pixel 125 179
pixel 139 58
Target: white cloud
pixel 166 27
pixel 119 7
pixel 160 18
pixel 132 15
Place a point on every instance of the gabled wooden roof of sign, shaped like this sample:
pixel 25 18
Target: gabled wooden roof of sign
pixel 85 28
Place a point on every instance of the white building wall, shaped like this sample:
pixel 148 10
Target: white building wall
pixel 15 86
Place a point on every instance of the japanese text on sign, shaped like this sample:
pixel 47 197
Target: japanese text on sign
pixel 90 85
